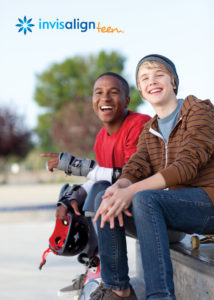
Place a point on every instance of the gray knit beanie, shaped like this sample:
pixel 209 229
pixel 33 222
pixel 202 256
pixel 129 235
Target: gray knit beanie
pixel 163 60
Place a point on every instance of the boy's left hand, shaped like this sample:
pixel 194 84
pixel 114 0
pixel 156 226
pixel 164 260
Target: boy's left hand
pixel 113 206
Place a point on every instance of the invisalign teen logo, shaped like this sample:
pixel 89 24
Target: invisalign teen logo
pixel 83 26
pixel 75 24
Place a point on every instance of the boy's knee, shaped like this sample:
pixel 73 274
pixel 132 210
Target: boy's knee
pixel 140 197
pixel 143 199
pixel 89 206
pixel 100 185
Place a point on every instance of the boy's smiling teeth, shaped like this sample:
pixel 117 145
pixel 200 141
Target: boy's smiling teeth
pixel 155 91
pixel 105 107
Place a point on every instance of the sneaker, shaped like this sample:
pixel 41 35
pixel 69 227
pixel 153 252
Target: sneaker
pixel 75 287
pixel 104 294
pixel 85 283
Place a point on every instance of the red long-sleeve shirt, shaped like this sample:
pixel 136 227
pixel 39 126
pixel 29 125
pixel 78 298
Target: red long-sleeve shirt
pixel 115 150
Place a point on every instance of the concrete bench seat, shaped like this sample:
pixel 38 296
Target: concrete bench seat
pixel 193 271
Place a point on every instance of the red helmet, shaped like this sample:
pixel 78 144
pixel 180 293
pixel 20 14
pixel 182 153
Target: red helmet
pixel 69 237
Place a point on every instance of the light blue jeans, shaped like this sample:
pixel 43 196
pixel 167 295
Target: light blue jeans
pixel 187 210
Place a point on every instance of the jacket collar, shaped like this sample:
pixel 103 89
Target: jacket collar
pixel 189 101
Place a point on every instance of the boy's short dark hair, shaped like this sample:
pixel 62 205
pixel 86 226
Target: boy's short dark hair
pixel 119 77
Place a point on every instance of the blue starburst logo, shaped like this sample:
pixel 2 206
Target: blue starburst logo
pixel 25 25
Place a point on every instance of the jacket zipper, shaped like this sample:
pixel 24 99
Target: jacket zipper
pixel 166 154
pixel 166 144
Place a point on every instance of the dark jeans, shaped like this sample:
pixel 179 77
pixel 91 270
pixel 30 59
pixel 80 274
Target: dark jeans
pixel 154 211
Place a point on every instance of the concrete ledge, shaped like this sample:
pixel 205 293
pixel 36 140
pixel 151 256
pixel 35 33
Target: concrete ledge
pixel 193 271
pixel 190 284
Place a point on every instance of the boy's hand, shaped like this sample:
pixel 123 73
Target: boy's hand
pixel 61 213
pixel 119 184
pixel 75 207
pixel 111 190
pixel 53 162
pixel 113 206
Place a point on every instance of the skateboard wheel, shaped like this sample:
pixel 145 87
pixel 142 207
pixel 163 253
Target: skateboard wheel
pixel 195 242
pixel 83 258
pixel 94 261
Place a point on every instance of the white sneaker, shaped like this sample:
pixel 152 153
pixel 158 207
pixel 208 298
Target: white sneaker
pixel 85 283
pixel 74 288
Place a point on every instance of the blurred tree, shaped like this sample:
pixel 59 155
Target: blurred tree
pixel 75 127
pixel 65 83
pixel 74 77
pixel 15 139
pixel 136 100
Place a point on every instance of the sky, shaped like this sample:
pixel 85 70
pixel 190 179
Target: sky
pixel 181 30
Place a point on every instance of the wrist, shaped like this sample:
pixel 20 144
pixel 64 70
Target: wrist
pixel 131 190
pixel 123 183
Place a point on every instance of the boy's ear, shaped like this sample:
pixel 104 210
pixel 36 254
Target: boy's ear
pixel 173 84
pixel 127 102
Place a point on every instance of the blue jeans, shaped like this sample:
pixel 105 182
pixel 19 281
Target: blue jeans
pixel 97 187
pixel 189 210
pixel 91 247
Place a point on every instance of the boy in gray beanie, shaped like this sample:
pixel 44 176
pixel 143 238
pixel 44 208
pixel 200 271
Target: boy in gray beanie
pixel 167 184
pixel 165 62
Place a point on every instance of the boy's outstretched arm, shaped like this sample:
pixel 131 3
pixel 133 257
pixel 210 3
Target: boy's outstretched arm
pixel 72 165
pixel 69 163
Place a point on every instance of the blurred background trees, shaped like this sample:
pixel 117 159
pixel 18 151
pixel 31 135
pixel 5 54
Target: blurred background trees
pixel 15 139
pixel 65 91
pixel 68 123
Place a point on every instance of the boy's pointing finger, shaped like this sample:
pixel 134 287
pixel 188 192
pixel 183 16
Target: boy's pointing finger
pixel 49 154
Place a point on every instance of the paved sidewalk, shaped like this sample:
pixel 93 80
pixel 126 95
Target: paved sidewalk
pixel 22 245
pixel 24 237
pixel 31 194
